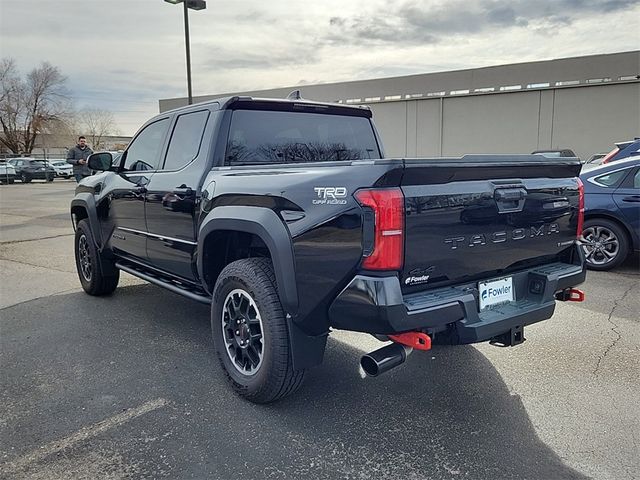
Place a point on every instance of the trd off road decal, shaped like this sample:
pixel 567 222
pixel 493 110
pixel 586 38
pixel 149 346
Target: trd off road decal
pixel 330 196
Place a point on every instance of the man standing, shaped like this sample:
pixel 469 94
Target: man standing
pixel 77 156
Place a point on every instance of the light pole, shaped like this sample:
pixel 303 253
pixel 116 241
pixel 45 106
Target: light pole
pixel 193 5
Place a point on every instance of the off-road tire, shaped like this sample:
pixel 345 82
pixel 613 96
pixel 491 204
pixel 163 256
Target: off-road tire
pixel 96 282
pixel 274 377
pixel 621 238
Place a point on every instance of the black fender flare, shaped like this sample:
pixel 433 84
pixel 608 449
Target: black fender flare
pixel 86 201
pixel 267 225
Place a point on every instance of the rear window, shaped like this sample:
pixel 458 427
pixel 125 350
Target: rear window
pixel 264 137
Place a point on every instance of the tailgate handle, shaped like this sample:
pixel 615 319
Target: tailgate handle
pixel 510 200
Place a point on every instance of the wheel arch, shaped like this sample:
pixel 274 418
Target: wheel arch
pixel 255 222
pixel 83 206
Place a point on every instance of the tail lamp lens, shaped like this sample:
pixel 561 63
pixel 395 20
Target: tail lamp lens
pixel 388 207
pixel 580 208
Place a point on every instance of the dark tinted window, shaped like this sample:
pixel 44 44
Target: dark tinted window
pixel 38 164
pixel 636 180
pixel 294 137
pixel 185 140
pixel 144 151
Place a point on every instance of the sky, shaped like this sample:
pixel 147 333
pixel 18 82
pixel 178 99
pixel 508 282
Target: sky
pixel 125 55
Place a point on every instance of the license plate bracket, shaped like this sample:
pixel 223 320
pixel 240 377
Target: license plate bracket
pixel 495 292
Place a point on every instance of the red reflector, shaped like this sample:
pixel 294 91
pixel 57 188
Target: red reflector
pixel 580 208
pixel 388 207
pixel 608 156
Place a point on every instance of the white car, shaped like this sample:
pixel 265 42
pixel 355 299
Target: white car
pixel 7 172
pixel 62 168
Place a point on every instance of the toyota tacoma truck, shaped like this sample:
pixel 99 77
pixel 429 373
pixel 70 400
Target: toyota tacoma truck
pixel 286 218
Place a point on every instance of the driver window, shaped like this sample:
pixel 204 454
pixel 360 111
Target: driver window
pixel 144 152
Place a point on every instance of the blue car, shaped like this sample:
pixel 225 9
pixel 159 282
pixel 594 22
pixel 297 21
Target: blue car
pixel 611 228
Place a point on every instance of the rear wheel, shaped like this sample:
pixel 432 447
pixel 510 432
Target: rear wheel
pixel 90 264
pixel 604 243
pixel 250 332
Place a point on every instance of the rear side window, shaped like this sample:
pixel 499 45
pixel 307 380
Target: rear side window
pixel 264 137
pixel 611 179
pixel 185 140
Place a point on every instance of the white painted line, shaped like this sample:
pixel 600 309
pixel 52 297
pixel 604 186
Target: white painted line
pixel 80 436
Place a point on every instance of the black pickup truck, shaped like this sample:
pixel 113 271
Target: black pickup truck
pixel 285 217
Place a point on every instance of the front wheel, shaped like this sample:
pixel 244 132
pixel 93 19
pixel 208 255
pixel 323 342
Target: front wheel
pixel 90 264
pixel 604 243
pixel 250 332
pixel 49 179
pixel 24 178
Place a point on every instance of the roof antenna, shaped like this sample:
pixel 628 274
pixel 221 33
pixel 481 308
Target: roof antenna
pixel 295 95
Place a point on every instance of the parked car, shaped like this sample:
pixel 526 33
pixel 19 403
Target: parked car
pixel 28 169
pixel 7 172
pixel 622 150
pixel 596 159
pixel 612 213
pixel 62 168
pixel 565 152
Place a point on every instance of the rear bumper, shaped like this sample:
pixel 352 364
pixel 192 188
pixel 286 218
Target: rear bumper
pixel 376 305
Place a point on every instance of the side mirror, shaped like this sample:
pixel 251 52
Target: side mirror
pixel 100 161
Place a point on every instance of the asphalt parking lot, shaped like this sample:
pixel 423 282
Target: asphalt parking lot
pixel 127 386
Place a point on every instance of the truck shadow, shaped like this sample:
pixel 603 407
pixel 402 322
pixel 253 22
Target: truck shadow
pixel 444 414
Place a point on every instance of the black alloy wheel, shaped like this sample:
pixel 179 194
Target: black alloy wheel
pixel 242 332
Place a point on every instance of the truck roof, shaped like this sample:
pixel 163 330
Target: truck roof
pixel 287 104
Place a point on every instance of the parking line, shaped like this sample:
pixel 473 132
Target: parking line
pixel 81 435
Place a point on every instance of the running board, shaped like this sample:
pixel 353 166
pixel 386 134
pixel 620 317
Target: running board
pixel 156 280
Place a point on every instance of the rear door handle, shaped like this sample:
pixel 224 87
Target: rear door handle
pixel 632 198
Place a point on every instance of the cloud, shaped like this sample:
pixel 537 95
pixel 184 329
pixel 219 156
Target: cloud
pixel 424 22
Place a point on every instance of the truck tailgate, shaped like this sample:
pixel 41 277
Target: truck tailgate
pixel 480 217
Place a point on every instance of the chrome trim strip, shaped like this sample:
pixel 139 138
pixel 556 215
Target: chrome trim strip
pixel 159 237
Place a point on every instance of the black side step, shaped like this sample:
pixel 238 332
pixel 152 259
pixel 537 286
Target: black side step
pixel 162 282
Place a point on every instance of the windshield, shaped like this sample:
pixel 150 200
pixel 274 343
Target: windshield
pixel 257 137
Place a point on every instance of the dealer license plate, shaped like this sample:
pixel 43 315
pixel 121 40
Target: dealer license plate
pixel 495 292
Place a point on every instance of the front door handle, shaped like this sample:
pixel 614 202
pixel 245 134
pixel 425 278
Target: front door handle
pixel 632 198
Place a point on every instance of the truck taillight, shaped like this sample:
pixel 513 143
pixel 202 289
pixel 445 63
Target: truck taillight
pixel 580 208
pixel 388 235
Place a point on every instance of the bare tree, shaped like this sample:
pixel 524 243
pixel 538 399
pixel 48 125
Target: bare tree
pixel 29 106
pixel 96 124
